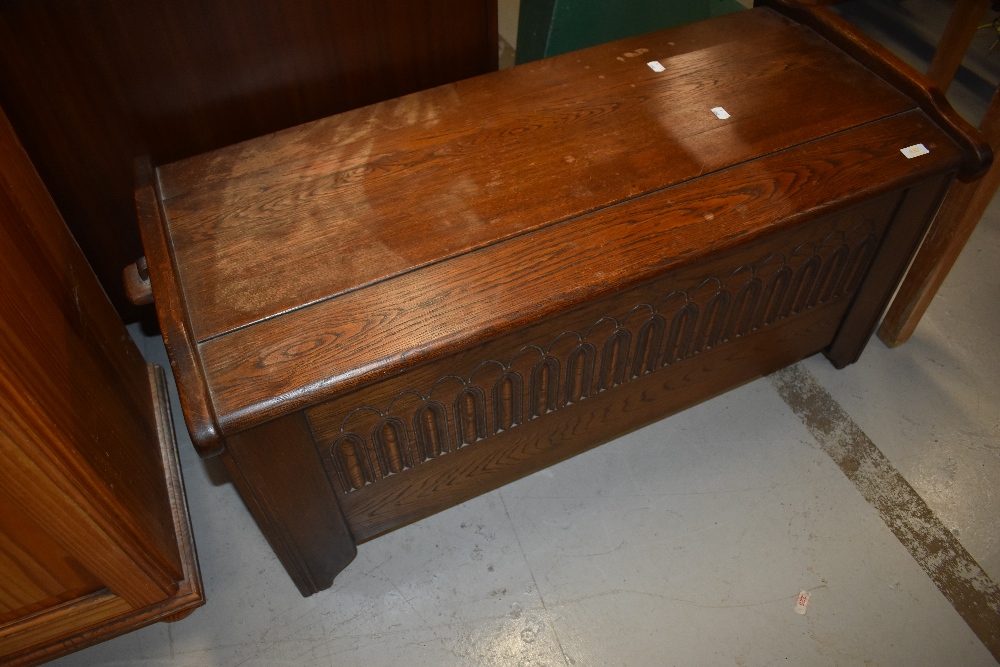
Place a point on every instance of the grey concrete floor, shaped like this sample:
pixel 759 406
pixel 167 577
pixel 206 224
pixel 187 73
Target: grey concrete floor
pixel 684 543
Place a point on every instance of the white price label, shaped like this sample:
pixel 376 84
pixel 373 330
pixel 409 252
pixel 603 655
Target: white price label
pixel 720 113
pixel 656 66
pixel 916 150
pixel 802 602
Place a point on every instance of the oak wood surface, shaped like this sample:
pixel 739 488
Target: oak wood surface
pixel 914 214
pixel 977 154
pixel 824 260
pixel 312 354
pixel 334 205
pixel 278 472
pixel 175 325
pixel 90 85
pixel 516 453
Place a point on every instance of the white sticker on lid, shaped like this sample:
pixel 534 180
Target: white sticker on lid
pixel 656 66
pixel 802 602
pixel 916 150
pixel 720 113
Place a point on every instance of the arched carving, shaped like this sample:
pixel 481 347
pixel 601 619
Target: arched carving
pixel 460 410
pixel 470 415
pixel 392 446
pixel 430 426
pixel 743 308
pixel 544 389
pixel 774 296
pixel 580 372
pixel 508 399
pixel 647 346
pixel 350 459
pixel 801 287
pixel 614 359
pixel 830 276
pixel 713 319
pixel 681 334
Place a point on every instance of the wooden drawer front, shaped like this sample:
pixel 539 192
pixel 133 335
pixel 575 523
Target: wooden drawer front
pixel 403 426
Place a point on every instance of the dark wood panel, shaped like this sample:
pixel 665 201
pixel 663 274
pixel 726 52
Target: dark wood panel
pixel 911 220
pixel 279 474
pixel 91 84
pixel 961 209
pixel 515 453
pixel 420 441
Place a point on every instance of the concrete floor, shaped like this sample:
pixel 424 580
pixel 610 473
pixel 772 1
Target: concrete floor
pixel 684 543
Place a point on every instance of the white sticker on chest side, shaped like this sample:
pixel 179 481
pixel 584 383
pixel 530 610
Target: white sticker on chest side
pixel 720 113
pixel 656 66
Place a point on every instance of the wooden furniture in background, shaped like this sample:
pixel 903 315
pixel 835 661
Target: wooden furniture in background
pixel 960 212
pixel 378 315
pixel 94 534
pixel 964 204
pixel 89 85
pixel 958 34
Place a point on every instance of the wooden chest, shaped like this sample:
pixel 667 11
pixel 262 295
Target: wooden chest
pixel 378 315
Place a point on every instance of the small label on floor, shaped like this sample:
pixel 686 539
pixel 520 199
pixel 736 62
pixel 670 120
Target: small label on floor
pixel 720 113
pixel 802 602
pixel 656 66
pixel 916 150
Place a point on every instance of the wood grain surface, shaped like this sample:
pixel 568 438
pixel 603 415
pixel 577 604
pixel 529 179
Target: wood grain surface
pixel 57 629
pixel 279 473
pixel 915 212
pixel 37 572
pixel 94 534
pixel 314 353
pixel 383 313
pixel 344 202
pixel 90 85
pixel 976 152
pixel 76 399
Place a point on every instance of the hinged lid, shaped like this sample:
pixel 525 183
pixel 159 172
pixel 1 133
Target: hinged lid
pixel 330 254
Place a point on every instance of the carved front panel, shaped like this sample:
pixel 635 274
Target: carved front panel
pixel 413 419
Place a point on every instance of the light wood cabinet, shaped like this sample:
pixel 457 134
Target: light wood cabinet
pixel 94 534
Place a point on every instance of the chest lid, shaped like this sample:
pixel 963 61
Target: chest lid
pixel 286 220
pixel 323 257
